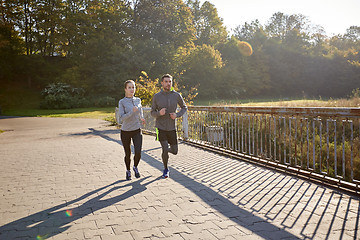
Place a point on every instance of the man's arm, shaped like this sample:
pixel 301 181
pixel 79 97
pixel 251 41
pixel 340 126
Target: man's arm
pixel 182 105
pixel 154 111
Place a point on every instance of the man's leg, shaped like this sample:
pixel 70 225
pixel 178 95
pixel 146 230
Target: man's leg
pixel 165 153
pixel 172 138
pixel 173 149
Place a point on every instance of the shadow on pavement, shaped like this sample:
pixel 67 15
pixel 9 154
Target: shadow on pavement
pixel 282 188
pixel 55 220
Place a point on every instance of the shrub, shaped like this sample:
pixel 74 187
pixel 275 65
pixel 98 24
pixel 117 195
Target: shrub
pixel 105 102
pixel 60 96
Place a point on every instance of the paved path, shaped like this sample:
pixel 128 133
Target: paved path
pixel 64 179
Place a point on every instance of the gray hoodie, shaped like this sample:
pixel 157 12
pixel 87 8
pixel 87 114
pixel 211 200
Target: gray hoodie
pixel 168 100
pixel 130 120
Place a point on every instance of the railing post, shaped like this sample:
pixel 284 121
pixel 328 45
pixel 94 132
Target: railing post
pixel 185 124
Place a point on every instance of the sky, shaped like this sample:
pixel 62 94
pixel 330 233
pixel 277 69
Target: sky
pixel 335 16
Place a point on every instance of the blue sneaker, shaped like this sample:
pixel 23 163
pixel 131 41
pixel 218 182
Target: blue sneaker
pixel 128 175
pixel 166 173
pixel 136 171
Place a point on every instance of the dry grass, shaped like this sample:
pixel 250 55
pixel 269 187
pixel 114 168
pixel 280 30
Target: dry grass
pixel 350 103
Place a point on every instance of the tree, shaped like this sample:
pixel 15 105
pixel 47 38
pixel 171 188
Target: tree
pixel 166 21
pixel 209 26
pixel 248 31
pixel 243 76
pixel 159 28
pixel 11 46
pixel 282 26
pixel 202 68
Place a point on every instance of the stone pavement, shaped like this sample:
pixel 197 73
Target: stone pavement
pixel 64 179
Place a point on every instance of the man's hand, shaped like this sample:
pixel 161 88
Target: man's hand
pixel 173 115
pixel 162 111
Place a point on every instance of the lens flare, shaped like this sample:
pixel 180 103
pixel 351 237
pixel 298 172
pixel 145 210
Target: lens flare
pixel 39 237
pixel 68 213
pixel 245 48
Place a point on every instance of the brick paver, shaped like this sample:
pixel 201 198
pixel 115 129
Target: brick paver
pixel 64 179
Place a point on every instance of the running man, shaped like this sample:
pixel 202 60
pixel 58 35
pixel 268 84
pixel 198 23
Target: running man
pixel 164 104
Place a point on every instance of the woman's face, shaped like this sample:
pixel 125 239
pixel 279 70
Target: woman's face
pixel 130 89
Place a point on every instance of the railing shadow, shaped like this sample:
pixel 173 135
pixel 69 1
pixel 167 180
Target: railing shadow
pixel 272 196
pixel 289 201
pixel 240 195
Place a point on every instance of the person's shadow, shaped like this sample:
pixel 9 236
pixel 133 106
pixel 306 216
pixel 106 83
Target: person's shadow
pixel 55 220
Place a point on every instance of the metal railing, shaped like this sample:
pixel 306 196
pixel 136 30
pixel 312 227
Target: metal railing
pixel 323 143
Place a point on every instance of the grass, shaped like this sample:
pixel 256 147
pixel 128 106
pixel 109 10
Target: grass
pixel 97 113
pixel 222 102
pixel 352 102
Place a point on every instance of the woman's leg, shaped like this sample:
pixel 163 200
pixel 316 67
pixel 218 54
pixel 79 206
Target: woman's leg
pixel 137 141
pixel 125 139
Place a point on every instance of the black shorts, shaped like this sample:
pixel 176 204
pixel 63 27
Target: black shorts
pixel 169 136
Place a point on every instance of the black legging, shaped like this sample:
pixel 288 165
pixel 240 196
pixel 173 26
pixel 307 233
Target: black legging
pixel 166 150
pixel 136 137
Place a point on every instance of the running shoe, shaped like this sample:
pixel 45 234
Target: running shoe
pixel 136 171
pixel 166 173
pixel 128 175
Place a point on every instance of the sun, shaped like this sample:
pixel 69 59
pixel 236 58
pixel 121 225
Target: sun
pixel 245 48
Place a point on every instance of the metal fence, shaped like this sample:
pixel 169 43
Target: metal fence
pixel 323 143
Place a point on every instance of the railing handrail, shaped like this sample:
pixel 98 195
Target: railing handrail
pixel 306 111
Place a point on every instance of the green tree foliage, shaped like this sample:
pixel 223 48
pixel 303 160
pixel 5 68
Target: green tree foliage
pixel 209 26
pixel 159 29
pixel 97 45
pixel 202 67
pixel 146 88
pixel 244 76
pixel 10 49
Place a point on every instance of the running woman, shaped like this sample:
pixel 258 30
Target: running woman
pixel 131 116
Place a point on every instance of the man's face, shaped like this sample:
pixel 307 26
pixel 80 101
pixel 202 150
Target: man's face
pixel 166 84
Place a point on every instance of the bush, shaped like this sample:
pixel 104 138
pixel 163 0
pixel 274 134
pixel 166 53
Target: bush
pixel 146 88
pixel 105 102
pixel 61 96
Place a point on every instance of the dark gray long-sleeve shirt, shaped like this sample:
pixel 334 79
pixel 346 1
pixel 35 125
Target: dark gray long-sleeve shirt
pixel 168 100
pixel 130 119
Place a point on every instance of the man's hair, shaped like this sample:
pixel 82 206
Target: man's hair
pixel 166 76
pixel 127 82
